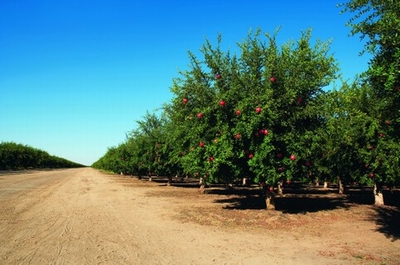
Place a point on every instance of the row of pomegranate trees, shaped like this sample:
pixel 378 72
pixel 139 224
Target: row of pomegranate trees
pixel 252 116
pixel 263 116
pixel 144 152
pixel 357 143
pixel 378 92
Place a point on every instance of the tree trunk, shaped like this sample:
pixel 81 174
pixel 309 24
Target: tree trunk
pixel 280 190
pixel 316 182
pixel 378 195
pixel 269 200
pixel 150 177
pixel 202 189
pixel 244 182
pixel 179 176
pixel 340 186
pixel 325 184
pixel 202 184
pixel 169 183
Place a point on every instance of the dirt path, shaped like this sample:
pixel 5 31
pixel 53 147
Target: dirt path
pixel 81 216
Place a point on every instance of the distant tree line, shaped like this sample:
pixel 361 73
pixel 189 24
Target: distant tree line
pixel 15 156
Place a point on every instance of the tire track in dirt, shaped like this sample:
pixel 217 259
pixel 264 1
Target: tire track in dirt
pixel 68 220
pixel 24 214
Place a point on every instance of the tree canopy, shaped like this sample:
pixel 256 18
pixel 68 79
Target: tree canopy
pixel 265 113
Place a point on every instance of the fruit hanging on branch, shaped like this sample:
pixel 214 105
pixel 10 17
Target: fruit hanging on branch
pixel 238 112
pixel 200 115
pixel 263 132
pixel 222 103
pixel 272 79
pixel 258 110
pixel 292 157
pixel 299 100
pixel 185 100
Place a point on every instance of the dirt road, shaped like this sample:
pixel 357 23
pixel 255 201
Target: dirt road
pixel 82 216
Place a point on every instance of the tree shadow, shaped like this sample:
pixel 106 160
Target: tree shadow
pixel 294 201
pixel 392 198
pixel 292 204
pixel 360 196
pixel 387 219
pixel 244 202
pixel 307 203
pixel 240 198
pixel 175 182
pixel 228 190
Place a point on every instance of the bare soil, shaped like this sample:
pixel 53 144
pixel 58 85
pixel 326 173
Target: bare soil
pixel 83 216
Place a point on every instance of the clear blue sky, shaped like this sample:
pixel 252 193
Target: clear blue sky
pixel 75 76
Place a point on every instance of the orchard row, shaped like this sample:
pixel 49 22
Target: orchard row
pixel 15 156
pixel 266 114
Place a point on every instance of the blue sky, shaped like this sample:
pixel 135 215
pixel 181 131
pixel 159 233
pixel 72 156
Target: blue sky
pixel 75 76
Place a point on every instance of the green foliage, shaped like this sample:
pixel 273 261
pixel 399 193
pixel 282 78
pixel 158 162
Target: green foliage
pixel 15 156
pixel 274 89
pixel 113 160
pixel 263 114
pixel 379 21
pixel 147 150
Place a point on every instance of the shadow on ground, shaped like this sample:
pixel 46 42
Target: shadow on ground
pixel 294 201
pixel 293 204
pixel 239 198
pixel 302 199
pixel 388 221
pixel 303 204
pixel 387 217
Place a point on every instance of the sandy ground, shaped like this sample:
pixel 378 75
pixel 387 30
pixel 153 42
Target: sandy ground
pixel 82 216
